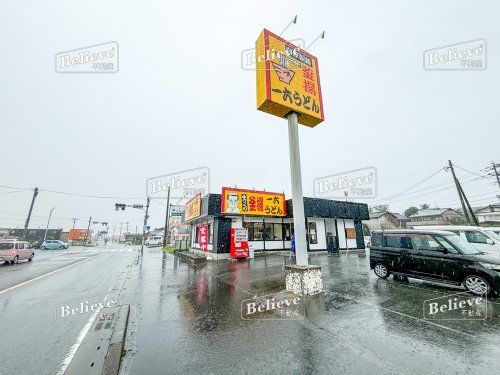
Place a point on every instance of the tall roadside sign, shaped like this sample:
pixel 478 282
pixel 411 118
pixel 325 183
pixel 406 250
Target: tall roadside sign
pixel 287 80
pixel 288 86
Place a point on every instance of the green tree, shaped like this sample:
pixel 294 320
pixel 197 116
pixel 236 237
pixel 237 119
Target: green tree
pixel 380 208
pixel 457 220
pixel 424 206
pixel 410 211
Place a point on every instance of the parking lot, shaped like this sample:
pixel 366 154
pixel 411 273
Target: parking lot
pixel 359 324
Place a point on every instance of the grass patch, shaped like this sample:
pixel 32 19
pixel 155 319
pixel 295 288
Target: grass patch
pixel 169 249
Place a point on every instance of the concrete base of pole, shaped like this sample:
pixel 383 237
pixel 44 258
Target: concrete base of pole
pixel 303 280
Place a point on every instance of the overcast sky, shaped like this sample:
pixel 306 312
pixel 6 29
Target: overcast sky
pixel 180 100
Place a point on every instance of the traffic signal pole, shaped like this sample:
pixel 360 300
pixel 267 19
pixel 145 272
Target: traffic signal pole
pixel 145 224
pixel 166 219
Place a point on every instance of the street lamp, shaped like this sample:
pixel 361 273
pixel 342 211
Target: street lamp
pixel 48 222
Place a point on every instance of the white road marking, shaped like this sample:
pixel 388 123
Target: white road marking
pixel 74 348
pixel 41 276
pixel 403 314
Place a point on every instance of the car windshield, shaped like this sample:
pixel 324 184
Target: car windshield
pixel 462 245
pixel 6 245
pixel 493 235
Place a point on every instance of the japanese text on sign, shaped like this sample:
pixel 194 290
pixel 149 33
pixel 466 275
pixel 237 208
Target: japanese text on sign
pixel 288 80
pixel 250 202
pixel 193 207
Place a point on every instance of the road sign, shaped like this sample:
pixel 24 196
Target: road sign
pixel 287 80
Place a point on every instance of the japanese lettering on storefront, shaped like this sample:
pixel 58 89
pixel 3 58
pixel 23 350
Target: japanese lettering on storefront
pixel 203 237
pixel 193 207
pixel 287 80
pixel 250 202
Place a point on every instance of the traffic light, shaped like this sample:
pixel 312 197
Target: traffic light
pixel 119 205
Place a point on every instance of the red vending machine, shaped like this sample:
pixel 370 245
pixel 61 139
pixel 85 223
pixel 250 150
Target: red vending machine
pixel 239 243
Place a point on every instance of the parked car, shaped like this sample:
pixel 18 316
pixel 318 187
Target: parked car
pixel 482 238
pixel 12 251
pixel 435 256
pixel 53 244
pixel 154 241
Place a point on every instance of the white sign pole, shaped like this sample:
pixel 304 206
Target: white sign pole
pixel 299 221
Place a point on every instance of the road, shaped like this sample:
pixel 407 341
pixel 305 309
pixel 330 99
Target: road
pixel 190 319
pixel 39 332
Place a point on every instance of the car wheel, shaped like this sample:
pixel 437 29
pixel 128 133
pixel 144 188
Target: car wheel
pixel 61 247
pixel 381 270
pixel 16 260
pixel 43 248
pixel 6 263
pixel 477 285
pixel 31 257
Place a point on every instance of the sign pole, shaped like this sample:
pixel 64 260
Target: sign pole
pixel 297 196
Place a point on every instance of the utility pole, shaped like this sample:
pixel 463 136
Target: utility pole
pixel 113 237
pixel 145 224
pixel 48 222
pixel 74 222
pixel 166 231
pixel 88 230
pixel 463 199
pixel 35 193
pixel 496 173
pixel 120 235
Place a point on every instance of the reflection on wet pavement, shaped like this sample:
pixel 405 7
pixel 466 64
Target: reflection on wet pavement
pixel 190 320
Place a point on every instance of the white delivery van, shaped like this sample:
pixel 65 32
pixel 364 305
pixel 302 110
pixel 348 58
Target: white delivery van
pixel 482 238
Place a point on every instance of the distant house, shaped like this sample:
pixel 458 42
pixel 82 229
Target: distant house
pixel 433 216
pixel 381 220
pixel 402 219
pixel 489 214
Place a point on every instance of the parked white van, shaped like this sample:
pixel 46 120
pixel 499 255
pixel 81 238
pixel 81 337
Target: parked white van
pixel 482 238
pixel 154 241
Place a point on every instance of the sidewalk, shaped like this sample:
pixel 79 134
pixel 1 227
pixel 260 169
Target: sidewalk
pixel 188 319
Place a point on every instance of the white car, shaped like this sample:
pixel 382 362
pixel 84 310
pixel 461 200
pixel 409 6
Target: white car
pixel 154 241
pixel 482 238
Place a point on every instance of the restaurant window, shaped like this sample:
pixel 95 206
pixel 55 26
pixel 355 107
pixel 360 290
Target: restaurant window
pixel 312 233
pixel 249 227
pixel 287 231
pixel 210 232
pixel 278 232
pixel 273 232
pixel 268 231
pixel 258 231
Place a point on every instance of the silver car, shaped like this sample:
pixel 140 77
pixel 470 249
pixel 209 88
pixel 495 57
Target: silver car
pixel 12 251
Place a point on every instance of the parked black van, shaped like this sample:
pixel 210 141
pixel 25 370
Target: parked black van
pixel 434 255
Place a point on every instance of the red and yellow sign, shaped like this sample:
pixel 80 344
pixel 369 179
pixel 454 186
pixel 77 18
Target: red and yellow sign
pixel 251 202
pixel 287 80
pixel 78 234
pixel 193 207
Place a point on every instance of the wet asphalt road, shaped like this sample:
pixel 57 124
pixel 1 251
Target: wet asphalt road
pixel 38 333
pixel 188 320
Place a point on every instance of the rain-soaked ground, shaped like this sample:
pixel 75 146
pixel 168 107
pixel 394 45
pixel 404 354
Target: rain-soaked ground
pixel 195 319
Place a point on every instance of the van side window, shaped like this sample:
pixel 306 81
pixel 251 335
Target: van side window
pixel 476 237
pixel 376 239
pixel 393 240
pixel 424 242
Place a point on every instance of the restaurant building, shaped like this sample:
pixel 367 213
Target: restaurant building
pixel 331 225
